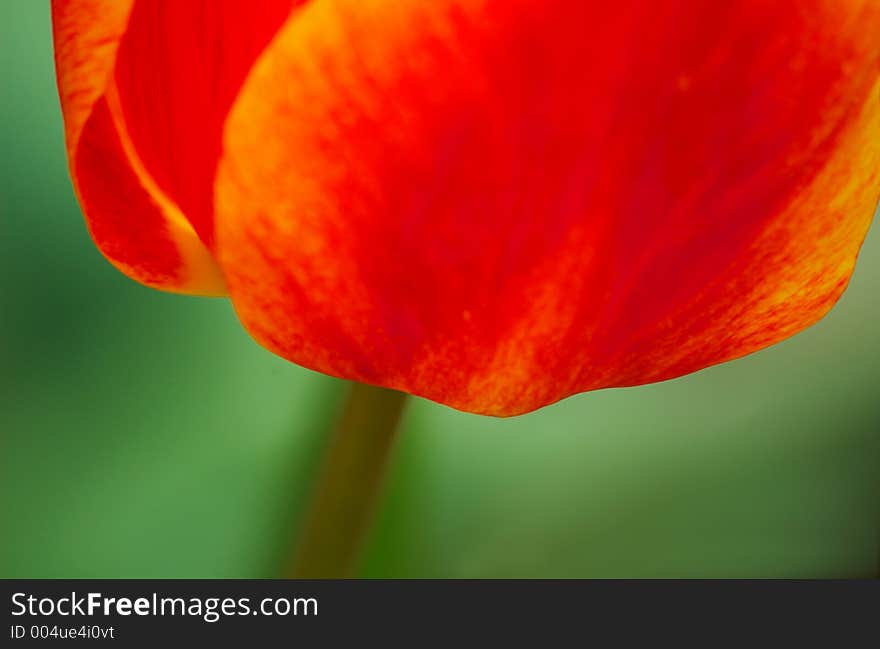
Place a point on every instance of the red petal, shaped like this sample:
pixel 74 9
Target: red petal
pixel 499 204
pixel 134 224
pixel 180 65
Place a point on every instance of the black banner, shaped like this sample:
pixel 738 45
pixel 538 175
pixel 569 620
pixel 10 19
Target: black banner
pixel 128 612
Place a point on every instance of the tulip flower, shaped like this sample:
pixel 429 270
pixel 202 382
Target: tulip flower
pixel 493 204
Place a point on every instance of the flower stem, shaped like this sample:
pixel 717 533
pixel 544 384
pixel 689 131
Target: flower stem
pixel 344 497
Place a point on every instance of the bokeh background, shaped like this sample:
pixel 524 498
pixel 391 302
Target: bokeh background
pixel 146 435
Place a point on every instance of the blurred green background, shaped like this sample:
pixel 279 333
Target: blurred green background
pixel 146 435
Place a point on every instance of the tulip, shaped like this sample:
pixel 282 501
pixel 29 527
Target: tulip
pixel 493 204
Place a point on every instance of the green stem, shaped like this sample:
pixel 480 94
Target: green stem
pixel 345 494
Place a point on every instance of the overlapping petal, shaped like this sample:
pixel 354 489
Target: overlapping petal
pixel 499 204
pixel 145 87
